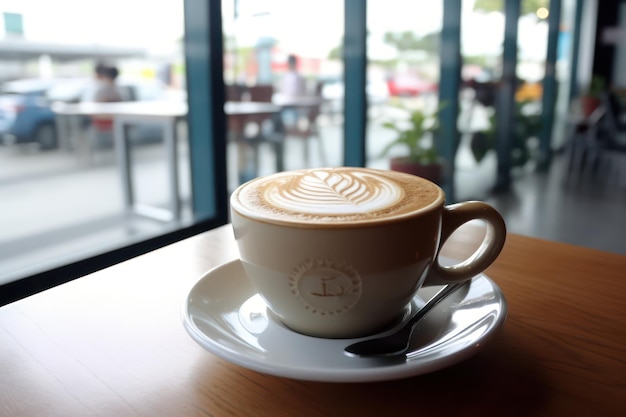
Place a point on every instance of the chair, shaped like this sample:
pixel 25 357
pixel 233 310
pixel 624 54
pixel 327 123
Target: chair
pixel 300 122
pixel 597 144
pixel 613 138
pixel 233 92
pixel 614 124
pixel 251 131
pixel 262 93
pixel 585 146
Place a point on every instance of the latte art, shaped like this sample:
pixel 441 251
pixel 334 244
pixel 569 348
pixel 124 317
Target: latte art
pixel 332 193
pixel 334 196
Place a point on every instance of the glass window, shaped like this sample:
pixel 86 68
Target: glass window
pixel 66 190
pixel 402 84
pixel 482 44
pixel 101 159
pixel 284 85
pixel 482 39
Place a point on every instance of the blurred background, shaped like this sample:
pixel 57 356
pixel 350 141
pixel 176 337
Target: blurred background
pixel 510 116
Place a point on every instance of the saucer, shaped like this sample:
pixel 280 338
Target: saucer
pixel 225 316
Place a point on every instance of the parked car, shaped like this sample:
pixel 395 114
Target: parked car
pixel 333 91
pixel 409 84
pixel 26 115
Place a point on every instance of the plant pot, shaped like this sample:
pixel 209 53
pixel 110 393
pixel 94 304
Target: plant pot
pixel 588 105
pixel 432 172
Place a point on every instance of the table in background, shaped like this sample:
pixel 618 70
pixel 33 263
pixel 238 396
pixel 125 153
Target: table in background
pixel 112 344
pixel 165 114
pixel 265 120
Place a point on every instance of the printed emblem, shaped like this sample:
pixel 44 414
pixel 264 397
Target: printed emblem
pixel 326 287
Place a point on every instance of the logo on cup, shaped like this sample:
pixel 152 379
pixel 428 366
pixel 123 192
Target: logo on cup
pixel 325 286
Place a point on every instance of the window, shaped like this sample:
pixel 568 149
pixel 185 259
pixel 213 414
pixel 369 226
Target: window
pixel 64 208
pixel 283 72
pixel 402 73
pixel 224 70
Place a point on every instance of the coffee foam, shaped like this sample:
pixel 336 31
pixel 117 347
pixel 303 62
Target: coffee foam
pixel 334 196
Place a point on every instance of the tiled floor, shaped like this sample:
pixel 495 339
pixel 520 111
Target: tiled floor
pixel 590 213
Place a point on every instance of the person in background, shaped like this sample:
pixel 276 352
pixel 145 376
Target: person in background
pixel 106 88
pixel 293 84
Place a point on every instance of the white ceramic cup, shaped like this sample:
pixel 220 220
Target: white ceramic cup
pixel 340 252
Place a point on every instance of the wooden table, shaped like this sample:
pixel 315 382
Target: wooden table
pixel 112 344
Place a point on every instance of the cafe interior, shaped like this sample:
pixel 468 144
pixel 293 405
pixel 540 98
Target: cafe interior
pixel 511 78
pixel 115 221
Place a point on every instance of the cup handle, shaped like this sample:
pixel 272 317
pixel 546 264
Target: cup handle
pixel 453 217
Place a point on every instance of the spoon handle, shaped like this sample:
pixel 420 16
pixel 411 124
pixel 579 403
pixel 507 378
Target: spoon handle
pixel 441 294
pixel 398 341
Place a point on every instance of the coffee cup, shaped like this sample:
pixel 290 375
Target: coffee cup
pixel 341 252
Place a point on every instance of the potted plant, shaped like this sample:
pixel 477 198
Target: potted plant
pixel 590 98
pixel 417 135
pixel 526 127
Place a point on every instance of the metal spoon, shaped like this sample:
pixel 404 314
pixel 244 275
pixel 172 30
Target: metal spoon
pixel 398 343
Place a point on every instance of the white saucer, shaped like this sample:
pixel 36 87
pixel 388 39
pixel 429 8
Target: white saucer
pixel 226 317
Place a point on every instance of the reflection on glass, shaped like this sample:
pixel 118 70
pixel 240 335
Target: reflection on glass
pixel 283 74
